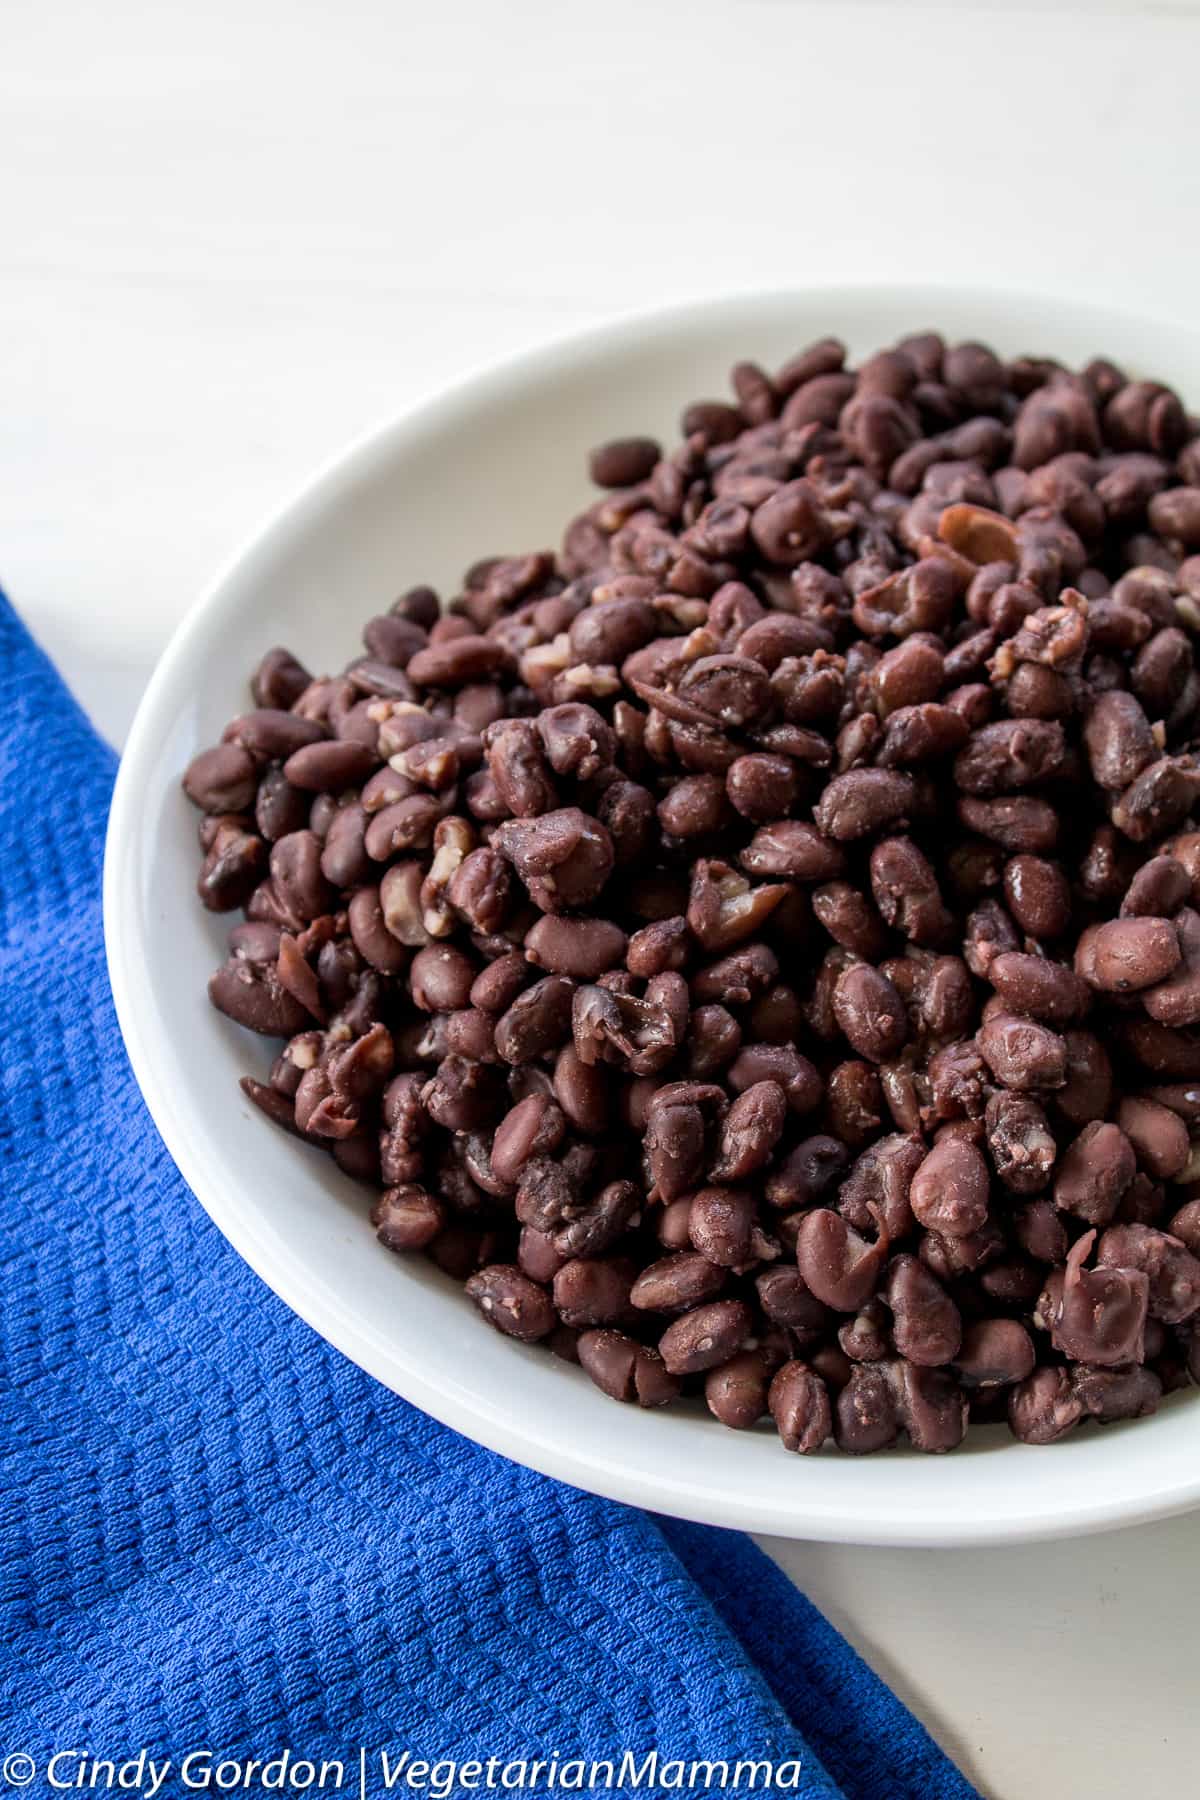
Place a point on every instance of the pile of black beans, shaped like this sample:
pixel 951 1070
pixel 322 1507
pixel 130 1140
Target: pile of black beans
pixel 757 949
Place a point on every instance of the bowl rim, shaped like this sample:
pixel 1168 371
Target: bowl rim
pixel 431 1386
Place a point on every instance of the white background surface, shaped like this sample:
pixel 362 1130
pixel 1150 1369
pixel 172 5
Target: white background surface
pixel 232 237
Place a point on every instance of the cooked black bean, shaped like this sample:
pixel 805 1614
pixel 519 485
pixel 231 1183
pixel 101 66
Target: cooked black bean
pixel 677 1282
pixel 930 1406
pixel 1037 896
pixel 862 803
pixel 722 1224
pixel 371 937
pixel 270 733
pixel 407 1217
pixel 751 1129
pixel 623 462
pixel 836 1263
pixel 297 875
pixel 598 1225
pixel 1008 756
pixel 791 847
pixel 1169 1266
pixel 674 1145
pixel 253 995
pixel 329 767
pixel 706 1336
pixel 1087 1090
pixel 1097 1315
pixel 1158 1135
pixel 1118 740
pixel 512 1303
pixel 799 1404
pixel 866 1416
pixel 806 1172
pixel 907 893
pixel 584 948
pixel 736 1391
pixel 994 1353
pixel 1021 1053
pixel 222 780
pixel 842 770
pixel 1044 1406
pixel 279 680
pixel 781 1064
pixel 626 1370
pixel 926 1325
pixel 1020 1141
pixel 592 1291
pixel 949 1191
pixel 1127 954
pixel 869 1012
pixel 537 1021
pixel 234 861
pixel 534 1127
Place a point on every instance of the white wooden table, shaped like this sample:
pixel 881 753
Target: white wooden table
pixel 233 236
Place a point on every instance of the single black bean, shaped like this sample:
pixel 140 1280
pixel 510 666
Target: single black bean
pixel 511 1302
pixel 705 1337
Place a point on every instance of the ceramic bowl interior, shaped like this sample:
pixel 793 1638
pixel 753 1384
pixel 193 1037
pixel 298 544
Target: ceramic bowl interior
pixel 498 465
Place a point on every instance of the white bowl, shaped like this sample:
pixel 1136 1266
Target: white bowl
pixel 495 465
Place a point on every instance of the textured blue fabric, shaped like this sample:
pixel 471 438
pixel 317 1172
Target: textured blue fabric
pixel 217 1533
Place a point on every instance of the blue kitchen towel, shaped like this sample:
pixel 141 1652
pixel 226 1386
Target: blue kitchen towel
pixel 225 1549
